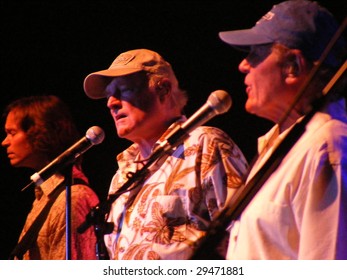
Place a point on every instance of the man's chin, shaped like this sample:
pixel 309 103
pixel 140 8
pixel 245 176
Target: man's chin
pixel 15 164
pixel 123 134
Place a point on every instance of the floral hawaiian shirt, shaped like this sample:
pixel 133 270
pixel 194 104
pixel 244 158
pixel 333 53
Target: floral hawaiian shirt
pixel 174 205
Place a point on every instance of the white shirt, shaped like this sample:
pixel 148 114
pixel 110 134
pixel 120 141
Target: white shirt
pixel 301 210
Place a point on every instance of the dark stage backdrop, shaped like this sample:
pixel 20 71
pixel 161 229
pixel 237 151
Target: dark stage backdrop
pixel 50 46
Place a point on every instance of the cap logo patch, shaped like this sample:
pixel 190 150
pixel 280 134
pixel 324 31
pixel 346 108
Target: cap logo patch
pixel 123 59
pixel 268 16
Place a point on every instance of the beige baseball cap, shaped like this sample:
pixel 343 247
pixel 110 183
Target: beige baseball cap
pixel 128 63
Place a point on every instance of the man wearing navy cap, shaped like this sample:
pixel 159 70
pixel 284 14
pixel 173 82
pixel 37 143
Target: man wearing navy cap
pixel 300 212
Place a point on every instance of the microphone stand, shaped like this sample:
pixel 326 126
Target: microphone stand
pixel 68 183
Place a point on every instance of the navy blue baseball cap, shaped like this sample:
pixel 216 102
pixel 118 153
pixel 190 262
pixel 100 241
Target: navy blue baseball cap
pixel 297 24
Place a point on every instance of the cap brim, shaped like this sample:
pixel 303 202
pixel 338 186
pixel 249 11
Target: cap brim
pixel 95 83
pixel 244 38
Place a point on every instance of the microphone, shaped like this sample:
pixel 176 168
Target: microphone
pixel 217 103
pixel 94 135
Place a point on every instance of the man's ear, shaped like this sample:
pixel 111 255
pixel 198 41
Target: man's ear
pixel 163 87
pixel 294 67
pixel 293 64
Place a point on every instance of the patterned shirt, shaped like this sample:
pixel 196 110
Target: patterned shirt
pixel 51 240
pixel 173 207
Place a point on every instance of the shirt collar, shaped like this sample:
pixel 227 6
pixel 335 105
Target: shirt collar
pixel 51 183
pixel 126 158
pixel 333 110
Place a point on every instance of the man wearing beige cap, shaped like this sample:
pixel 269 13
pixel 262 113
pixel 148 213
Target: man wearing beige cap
pixel 172 207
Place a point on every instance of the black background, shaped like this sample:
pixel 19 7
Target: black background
pixel 50 46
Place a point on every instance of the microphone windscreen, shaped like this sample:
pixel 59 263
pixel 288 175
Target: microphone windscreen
pixel 95 135
pixel 220 101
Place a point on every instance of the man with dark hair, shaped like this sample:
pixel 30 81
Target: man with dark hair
pixel 38 129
